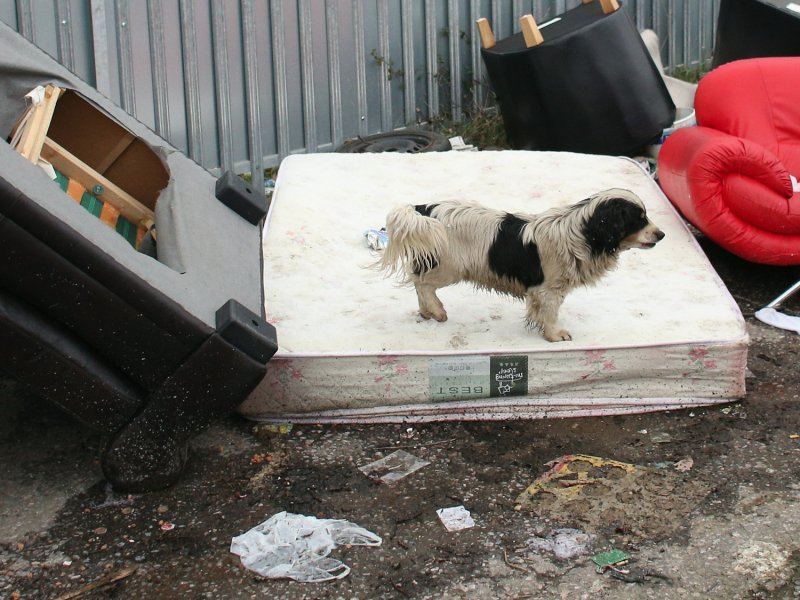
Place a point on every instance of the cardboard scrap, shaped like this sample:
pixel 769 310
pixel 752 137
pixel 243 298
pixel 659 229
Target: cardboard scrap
pixel 569 473
pixel 597 493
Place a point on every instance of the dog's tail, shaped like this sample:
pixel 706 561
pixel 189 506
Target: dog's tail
pixel 416 242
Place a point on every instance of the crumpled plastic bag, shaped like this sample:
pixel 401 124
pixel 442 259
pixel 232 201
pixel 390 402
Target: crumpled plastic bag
pixel 293 546
pixel 563 543
pixel 377 239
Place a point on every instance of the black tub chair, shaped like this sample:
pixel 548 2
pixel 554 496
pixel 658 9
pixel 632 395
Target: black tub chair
pixel 583 82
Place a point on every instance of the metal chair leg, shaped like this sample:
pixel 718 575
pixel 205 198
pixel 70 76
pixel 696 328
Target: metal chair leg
pixel 770 315
pixel 784 296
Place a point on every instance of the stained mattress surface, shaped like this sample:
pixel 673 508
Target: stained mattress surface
pixel 659 332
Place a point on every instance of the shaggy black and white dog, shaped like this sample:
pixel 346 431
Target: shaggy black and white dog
pixel 536 257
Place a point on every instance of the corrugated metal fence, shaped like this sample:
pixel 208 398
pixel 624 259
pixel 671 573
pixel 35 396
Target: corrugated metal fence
pixel 240 84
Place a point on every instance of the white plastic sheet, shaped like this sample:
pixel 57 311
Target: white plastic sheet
pixel 770 316
pixel 394 467
pixel 296 547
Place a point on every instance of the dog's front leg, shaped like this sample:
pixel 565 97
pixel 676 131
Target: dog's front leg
pixel 430 307
pixel 542 312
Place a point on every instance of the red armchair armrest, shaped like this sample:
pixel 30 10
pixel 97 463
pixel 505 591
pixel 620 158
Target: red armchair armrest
pixel 736 191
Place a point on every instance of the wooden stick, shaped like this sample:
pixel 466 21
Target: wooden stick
pixel 485 31
pixel 104 581
pixel 74 168
pixel 512 565
pixel 609 6
pixel 530 31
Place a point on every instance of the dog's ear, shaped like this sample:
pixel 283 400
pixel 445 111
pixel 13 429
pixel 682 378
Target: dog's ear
pixel 610 222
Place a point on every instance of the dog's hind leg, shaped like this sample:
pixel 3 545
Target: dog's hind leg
pixel 430 307
pixel 542 312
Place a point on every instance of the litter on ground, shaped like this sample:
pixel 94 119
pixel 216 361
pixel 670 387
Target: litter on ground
pixel 562 543
pixel 393 467
pixel 455 518
pixel 296 547
pixel 611 559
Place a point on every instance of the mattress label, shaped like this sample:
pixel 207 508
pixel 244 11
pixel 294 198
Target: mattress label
pixel 509 376
pixel 470 377
pixel 458 377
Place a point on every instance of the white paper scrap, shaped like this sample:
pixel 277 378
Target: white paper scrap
pixel 455 518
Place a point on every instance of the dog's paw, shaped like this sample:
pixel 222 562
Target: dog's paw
pixel 562 335
pixel 440 316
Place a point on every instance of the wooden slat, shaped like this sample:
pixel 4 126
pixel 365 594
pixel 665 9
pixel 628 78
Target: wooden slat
pixel 609 6
pixel 486 34
pixel 38 124
pixel 74 168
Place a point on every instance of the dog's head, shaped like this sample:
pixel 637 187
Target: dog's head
pixel 618 221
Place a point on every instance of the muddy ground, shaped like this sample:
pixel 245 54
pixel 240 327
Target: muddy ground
pixel 714 511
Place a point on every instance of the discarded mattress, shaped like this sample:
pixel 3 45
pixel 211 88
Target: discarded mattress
pixel 660 332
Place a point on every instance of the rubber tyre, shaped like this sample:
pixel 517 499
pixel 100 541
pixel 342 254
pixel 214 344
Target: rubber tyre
pixel 408 141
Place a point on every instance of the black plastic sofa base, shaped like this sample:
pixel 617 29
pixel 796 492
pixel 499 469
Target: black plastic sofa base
pixel 151 431
pixel 52 363
pixel 122 357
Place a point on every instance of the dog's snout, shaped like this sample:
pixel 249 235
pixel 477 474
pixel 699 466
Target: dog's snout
pixel 659 235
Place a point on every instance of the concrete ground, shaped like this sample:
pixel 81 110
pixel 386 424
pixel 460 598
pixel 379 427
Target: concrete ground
pixel 714 512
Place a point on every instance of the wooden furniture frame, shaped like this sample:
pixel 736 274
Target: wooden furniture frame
pixel 35 145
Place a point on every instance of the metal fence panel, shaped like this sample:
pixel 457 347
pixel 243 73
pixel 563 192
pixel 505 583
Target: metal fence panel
pixel 241 84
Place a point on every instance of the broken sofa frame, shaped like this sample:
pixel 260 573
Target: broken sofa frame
pixel 148 350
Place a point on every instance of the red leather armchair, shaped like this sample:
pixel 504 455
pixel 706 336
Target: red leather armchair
pixel 731 176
